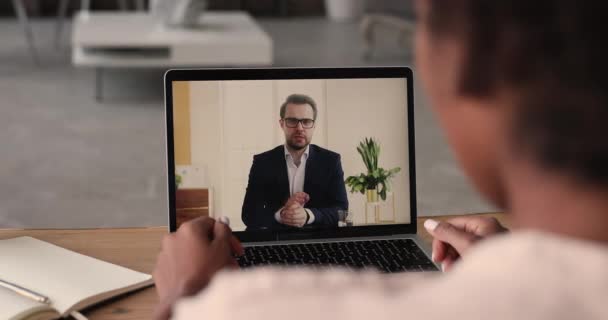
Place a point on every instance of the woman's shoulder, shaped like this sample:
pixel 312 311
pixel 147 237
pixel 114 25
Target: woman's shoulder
pixel 539 247
pixel 536 267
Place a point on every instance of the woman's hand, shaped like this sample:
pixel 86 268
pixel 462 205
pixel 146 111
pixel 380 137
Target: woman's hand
pixel 453 238
pixel 190 257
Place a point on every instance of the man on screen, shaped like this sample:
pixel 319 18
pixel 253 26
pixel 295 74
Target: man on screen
pixel 297 184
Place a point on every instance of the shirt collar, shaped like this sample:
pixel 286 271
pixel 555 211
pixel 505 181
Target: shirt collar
pixel 304 155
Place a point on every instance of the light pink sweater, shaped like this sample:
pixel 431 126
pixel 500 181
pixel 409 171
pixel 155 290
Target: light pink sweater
pixel 522 275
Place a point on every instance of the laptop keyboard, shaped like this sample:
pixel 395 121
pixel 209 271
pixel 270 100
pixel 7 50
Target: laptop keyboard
pixel 391 255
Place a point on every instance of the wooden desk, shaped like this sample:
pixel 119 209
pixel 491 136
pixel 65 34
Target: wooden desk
pixel 134 248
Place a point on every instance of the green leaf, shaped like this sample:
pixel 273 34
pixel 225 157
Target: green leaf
pixel 368 149
pixel 383 195
pixel 359 188
pixel 394 171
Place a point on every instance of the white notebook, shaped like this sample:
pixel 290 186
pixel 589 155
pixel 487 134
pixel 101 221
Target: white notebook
pixel 70 280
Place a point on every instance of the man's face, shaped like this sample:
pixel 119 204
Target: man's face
pixel 298 137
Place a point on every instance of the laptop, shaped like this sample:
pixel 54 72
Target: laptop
pixel 312 166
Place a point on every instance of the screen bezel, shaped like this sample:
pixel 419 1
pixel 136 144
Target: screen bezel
pixel 291 74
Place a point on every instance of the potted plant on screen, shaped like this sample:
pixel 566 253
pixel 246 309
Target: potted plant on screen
pixel 377 180
pixel 178 181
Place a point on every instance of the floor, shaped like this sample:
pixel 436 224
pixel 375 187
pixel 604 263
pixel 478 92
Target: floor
pixel 68 161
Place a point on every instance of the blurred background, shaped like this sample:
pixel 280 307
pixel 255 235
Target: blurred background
pixel 81 96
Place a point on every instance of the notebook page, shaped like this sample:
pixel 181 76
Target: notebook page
pixel 64 276
pixel 14 306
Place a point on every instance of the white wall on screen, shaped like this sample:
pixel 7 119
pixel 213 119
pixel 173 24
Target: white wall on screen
pixel 359 108
pixel 233 120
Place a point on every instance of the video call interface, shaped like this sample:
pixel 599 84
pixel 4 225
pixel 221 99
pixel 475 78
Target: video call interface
pixel 292 154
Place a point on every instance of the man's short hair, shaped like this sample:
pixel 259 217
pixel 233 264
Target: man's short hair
pixel 297 98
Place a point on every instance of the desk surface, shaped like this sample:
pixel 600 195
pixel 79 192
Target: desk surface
pixel 134 248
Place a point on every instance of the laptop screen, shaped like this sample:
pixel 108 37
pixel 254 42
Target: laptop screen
pixel 291 155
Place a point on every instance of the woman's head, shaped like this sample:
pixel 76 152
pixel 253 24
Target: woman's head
pixel 518 78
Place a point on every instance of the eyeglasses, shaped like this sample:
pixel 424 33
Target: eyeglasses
pixel 293 123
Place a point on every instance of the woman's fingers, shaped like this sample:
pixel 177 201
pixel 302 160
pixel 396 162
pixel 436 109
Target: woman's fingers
pixel 439 251
pixel 447 233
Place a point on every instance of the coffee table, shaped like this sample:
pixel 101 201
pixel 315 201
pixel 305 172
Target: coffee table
pixel 140 40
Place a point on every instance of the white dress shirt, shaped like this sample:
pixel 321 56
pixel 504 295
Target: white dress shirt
pixel 296 175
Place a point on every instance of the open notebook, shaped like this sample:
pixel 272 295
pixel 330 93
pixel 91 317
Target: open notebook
pixel 72 281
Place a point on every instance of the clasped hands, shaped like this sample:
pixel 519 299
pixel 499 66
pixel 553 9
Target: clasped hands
pixel 293 212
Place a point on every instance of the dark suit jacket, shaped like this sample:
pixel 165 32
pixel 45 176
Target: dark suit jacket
pixel 268 188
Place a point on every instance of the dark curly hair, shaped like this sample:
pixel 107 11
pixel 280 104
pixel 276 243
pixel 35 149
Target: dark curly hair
pixel 554 55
